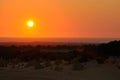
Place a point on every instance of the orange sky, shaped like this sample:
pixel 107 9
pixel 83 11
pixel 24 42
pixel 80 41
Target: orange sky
pixel 60 18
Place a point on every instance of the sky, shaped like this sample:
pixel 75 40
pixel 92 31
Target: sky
pixel 60 18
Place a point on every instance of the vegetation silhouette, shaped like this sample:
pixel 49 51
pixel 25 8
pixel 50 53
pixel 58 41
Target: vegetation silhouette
pixel 73 54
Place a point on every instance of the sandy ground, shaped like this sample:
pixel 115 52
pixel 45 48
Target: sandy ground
pixel 92 72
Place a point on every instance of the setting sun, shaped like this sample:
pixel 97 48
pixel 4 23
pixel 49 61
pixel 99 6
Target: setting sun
pixel 30 23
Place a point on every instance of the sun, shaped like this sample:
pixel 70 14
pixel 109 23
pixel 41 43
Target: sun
pixel 30 23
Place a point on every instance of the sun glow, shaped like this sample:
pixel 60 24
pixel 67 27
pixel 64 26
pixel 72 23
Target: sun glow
pixel 30 23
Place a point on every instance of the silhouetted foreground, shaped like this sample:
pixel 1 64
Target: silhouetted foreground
pixel 70 53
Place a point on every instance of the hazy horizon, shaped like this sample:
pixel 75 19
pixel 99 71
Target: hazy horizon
pixel 81 40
